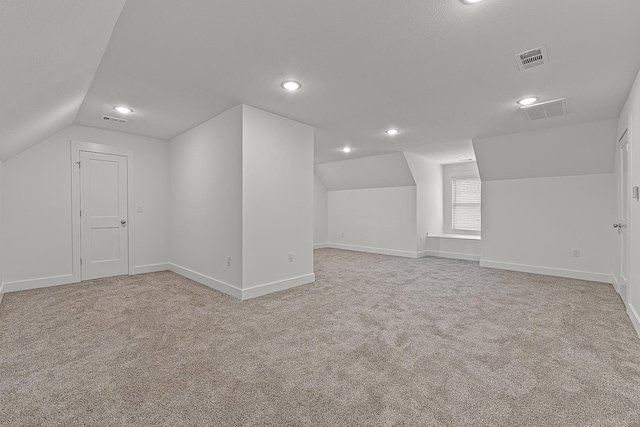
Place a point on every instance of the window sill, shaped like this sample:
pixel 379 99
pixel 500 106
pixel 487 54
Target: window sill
pixel 454 236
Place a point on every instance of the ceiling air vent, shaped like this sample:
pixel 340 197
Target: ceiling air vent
pixel 544 110
pixel 114 119
pixel 532 58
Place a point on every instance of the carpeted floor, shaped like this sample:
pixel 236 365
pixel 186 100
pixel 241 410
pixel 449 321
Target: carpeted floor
pixel 376 340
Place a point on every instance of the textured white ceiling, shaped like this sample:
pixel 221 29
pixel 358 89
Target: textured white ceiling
pixel 50 51
pixel 439 70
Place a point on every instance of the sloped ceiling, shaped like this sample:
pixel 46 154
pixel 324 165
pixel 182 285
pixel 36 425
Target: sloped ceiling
pixel 50 51
pixel 583 149
pixel 387 170
pixel 438 70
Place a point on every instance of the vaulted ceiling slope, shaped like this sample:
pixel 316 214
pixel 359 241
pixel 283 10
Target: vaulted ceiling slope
pixel 386 170
pixel 582 149
pixel 438 70
pixel 50 51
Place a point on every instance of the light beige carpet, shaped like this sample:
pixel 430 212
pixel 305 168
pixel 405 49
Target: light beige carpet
pixel 376 340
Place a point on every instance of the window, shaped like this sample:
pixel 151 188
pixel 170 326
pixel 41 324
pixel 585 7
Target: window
pixel 462 199
pixel 465 204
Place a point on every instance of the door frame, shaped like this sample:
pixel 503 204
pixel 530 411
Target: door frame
pixel 76 147
pixel 621 284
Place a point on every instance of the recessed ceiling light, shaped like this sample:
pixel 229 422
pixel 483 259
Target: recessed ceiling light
pixel 470 1
pixel 392 132
pixel 346 149
pixel 291 85
pixel 528 101
pixel 123 110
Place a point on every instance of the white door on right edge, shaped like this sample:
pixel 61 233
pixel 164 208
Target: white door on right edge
pixel 623 214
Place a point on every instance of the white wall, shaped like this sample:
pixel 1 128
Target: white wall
pixel 36 206
pixel 429 197
pixel 534 225
pixel 277 198
pixel 381 220
pixel 242 187
pixel 1 236
pixel 631 114
pixel 206 200
pixel 320 212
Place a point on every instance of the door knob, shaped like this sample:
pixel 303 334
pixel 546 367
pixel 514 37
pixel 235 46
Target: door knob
pixel 123 222
pixel 618 225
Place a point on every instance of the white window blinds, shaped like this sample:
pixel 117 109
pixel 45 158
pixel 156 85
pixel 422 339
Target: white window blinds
pixel 465 201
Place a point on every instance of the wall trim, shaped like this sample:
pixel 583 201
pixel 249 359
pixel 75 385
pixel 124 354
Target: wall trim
pixel 280 285
pixel 381 251
pixel 635 318
pixel 43 282
pixel 548 271
pixel 150 268
pixel 452 255
pixel 210 282
pixel 320 245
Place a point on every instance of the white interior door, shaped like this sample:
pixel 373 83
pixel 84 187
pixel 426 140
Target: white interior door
pixel 104 239
pixel 623 216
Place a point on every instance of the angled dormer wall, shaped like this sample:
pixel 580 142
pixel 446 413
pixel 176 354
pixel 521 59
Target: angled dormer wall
pixel 382 204
pixel 371 204
pixel 547 193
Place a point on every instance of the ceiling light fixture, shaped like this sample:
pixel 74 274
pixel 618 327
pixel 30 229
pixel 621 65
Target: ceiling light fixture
pixel 470 1
pixel 528 101
pixel 392 132
pixel 123 110
pixel 291 85
pixel 346 149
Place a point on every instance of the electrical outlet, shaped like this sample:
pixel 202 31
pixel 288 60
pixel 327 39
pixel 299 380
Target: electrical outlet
pixel 228 261
pixel 290 256
pixel 576 253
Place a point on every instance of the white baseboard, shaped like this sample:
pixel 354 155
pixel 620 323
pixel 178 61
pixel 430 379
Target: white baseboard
pixel 381 251
pixel 44 282
pixel 635 318
pixel 1 297
pixel 452 255
pixel 547 271
pixel 150 268
pixel 422 254
pixel 210 282
pixel 320 245
pixel 242 294
pixel 281 285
